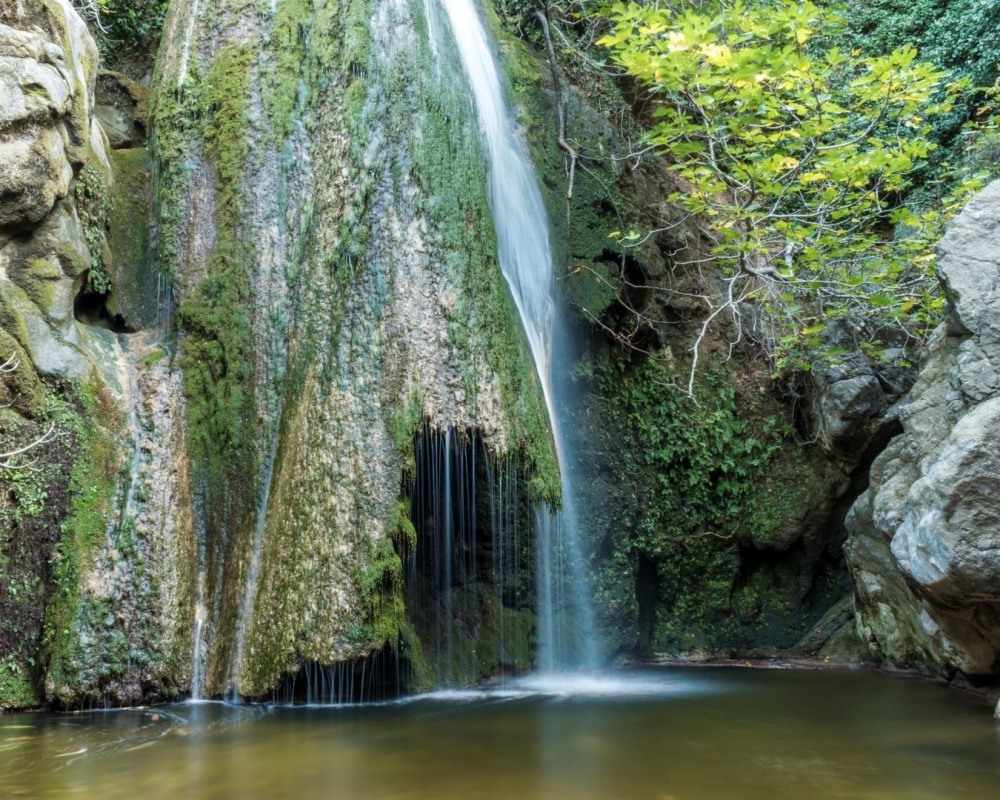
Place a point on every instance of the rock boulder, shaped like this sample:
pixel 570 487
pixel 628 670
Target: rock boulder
pixel 924 546
pixel 48 132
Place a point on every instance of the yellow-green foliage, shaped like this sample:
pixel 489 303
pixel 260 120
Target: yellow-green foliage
pixel 796 152
pixel 218 352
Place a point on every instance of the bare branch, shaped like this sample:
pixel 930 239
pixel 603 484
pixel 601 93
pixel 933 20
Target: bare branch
pixel 12 459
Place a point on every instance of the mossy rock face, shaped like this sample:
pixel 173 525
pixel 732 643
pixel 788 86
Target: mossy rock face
pixel 134 288
pixel 55 504
pixel 33 498
pixel 323 214
pixel 716 531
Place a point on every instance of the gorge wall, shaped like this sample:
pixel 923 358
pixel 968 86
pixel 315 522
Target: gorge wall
pixel 259 353
pixel 322 222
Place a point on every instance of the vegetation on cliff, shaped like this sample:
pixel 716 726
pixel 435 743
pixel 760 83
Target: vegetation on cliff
pixel 724 178
pixel 796 156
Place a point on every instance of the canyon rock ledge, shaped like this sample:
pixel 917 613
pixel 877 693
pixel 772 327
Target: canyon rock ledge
pixel 924 546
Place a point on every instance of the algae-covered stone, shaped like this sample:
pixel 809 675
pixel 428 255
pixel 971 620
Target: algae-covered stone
pixel 135 291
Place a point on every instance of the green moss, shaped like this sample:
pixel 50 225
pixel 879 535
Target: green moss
pixel 218 352
pixel 405 423
pixel 92 489
pixel 153 357
pixel 134 290
pixel 700 492
pixel 94 204
pixel 16 686
pixel 381 592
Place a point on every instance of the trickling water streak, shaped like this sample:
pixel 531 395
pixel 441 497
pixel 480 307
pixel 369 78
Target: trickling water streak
pixel 253 573
pixel 525 258
pixel 449 540
pixel 464 579
pixel 430 16
pixel 127 362
pixel 546 613
pixel 196 679
pixel 188 36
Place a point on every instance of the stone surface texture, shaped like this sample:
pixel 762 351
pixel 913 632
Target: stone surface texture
pixel 924 546
pixel 48 74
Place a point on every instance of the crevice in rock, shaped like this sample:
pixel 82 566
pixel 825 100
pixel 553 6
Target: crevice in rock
pixel 90 308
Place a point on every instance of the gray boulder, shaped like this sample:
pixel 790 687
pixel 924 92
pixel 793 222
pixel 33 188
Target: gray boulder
pixel 123 109
pixel 924 546
pixel 48 132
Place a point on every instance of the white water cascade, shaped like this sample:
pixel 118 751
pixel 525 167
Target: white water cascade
pixel 567 631
pixel 188 37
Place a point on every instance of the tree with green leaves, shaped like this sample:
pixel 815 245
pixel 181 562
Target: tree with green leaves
pixel 794 155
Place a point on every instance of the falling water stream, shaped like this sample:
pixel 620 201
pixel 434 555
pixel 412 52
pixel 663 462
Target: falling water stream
pixel 566 624
pixel 188 37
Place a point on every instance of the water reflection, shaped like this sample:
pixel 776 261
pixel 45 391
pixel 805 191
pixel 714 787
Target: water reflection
pixel 692 734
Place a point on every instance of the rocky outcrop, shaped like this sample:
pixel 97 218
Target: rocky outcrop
pixel 122 108
pixel 48 73
pixel 95 535
pixel 924 546
pixel 323 213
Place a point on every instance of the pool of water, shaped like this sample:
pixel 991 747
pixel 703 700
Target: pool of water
pixel 665 734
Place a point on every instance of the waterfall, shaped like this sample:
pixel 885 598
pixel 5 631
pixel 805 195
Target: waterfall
pixel 188 38
pixel 464 576
pixel 526 260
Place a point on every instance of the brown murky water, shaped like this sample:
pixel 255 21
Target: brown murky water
pixel 669 734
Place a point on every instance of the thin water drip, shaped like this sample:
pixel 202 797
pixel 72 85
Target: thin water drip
pixel 464 574
pixel 253 572
pixel 431 18
pixel 196 678
pixel 188 37
pixel 526 261
pixel 164 310
pixel 127 363
pixel 200 613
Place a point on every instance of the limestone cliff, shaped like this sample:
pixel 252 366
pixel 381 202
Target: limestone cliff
pixel 923 547
pixel 324 219
pixel 93 575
